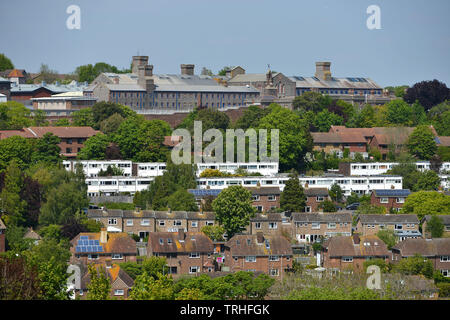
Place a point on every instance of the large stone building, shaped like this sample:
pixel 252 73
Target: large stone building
pixel 146 92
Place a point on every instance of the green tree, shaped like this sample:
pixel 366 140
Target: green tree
pixel 94 147
pixel 14 116
pixel 388 237
pixel 39 118
pixel 251 117
pixel 293 197
pixel 5 63
pixel 13 207
pixel 147 287
pixel 416 265
pixel 435 226
pixel 381 263
pixel 63 202
pixel 223 72
pixel 328 206
pixel 421 143
pixel 233 208
pixel 295 140
pixel 83 118
pixel 426 202
pixel 325 119
pixel 336 192
pixel 111 124
pixel 399 112
pixel 311 101
pixel 215 232
pixel 63 122
pixel 15 148
pixel 99 286
pixel 427 181
pixel 182 200
pixel 367 208
pixel 47 149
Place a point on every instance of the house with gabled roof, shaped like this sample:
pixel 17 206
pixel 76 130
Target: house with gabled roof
pixel 271 254
pixel 185 252
pixel 311 227
pixel 121 283
pixel 391 199
pixel 98 247
pixel 348 253
pixel 403 225
pixel 436 250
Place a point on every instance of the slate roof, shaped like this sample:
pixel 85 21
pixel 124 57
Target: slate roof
pixel 61 132
pixel 267 217
pixel 388 218
pixel 314 192
pixel 424 247
pixel 349 246
pixel 264 190
pixel 445 218
pixel 328 137
pixel 248 245
pixel 322 217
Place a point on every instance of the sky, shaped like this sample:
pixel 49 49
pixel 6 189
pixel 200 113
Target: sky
pixel 412 45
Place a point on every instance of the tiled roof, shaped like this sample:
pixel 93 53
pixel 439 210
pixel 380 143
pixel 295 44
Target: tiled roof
pixel 113 273
pixel 445 218
pixel 444 141
pixel 31 234
pixel 391 192
pixel 248 245
pixel 423 247
pixel 340 137
pixel 322 217
pixel 388 218
pixel 15 74
pixel 118 242
pixel 264 190
pixel 344 246
pixel 181 242
pixel 64 132
pixel 267 217
pixel 312 192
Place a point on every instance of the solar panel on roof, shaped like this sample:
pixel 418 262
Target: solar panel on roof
pixel 96 242
pixel 299 78
pixel 84 237
pixel 77 249
pixel 100 249
pixel 89 249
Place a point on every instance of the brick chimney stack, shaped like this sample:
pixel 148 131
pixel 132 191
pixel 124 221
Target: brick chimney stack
pixel 103 235
pixel 187 69
pixel 323 70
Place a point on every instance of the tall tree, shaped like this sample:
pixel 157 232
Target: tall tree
pixel 435 226
pixel 421 143
pixel 293 196
pixel 5 63
pixel 429 93
pixel 12 205
pixel 233 208
pixel 47 149
pixel 99 286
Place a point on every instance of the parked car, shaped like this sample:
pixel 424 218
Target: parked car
pixel 352 206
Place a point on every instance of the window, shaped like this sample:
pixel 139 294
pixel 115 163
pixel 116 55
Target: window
pixel 274 272
pixel 177 222
pixel 93 257
pixel 272 197
pixel 209 223
pixel 255 197
pixel 445 258
pixel 319 198
pixel 145 222
pixel 272 225
pixel 81 292
pixel 384 200
pixel 194 255
pixel 331 225
pixel 257 225
pixel 161 241
pixel 398 227
pixel 400 200
pixel 274 258
pixel 315 225
pixel 445 273
pixel 169 241
pixel 347 259
pixel 68 150
pixel 117 256
pixel 194 224
pixel 250 259
pixel 129 222
pixel 162 223
pixel 112 222
pixel 194 269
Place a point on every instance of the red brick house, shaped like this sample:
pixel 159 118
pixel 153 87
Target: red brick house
pixel 2 236
pixel 101 247
pixel 403 225
pixel 314 197
pixel 72 138
pixel 391 199
pixel 185 252
pixel 330 142
pixel 265 199
pixel 271 254
pixel 436 250
pixel 121 282
pixel 310 227
pixel 349 253
pixel 270 223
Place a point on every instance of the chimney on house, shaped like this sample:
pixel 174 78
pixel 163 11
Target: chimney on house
pixel 187 69
pixel 356 239
pixel 137 62
pixel 323 71
pixel 103 235
pixel 181 235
